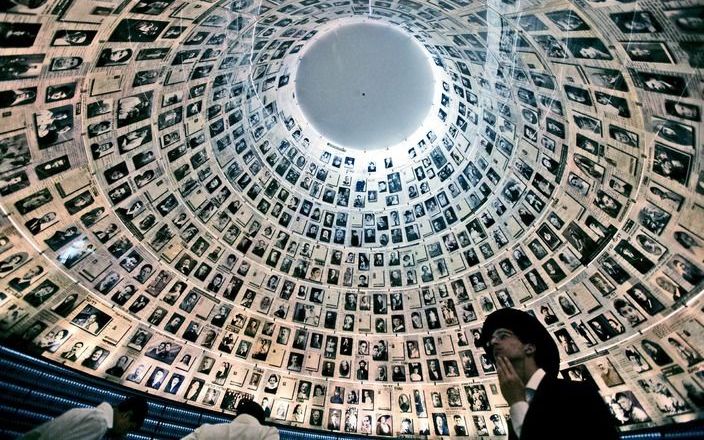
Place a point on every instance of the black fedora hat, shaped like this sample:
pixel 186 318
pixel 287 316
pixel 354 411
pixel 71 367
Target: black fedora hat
pixel 529 330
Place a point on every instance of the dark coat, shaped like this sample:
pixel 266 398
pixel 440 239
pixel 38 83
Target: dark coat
pixel 564 409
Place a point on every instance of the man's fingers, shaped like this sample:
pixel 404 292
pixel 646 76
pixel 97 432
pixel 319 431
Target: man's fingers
pixel 501 368
pixel 512 387
pixel 505 367
pixel 507 374
pixel 508 367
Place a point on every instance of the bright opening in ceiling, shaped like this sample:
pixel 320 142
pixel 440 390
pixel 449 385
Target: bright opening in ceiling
pixel 365 85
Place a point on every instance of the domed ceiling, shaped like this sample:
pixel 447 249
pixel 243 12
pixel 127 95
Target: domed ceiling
pixel 175 218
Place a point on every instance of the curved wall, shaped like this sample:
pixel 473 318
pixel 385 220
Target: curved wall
pixel 172 222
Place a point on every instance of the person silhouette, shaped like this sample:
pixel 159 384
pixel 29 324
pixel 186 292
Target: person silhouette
pixel 541 405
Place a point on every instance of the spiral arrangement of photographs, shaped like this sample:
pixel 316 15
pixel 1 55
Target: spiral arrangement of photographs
pixel 172 222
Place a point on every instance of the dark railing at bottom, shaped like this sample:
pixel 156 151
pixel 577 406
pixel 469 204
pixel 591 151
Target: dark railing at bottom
pixel 34 390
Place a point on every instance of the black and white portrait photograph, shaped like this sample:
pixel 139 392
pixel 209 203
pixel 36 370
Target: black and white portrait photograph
pixel 54 125
pixel 73 38
pixel 133 109
pixel 164 351
pixel 91 319
pixel 17 97
pixel 15 67
pixel 114 57
pixel 129 30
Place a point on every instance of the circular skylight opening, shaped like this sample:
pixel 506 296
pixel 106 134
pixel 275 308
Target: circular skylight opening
pixel 365 85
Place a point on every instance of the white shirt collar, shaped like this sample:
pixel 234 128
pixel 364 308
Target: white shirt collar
pixel 535 379
pixel 107 412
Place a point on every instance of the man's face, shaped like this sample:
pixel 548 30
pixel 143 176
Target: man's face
pixel 505 343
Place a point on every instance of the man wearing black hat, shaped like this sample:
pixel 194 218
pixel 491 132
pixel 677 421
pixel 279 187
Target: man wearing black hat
pixel 542 406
